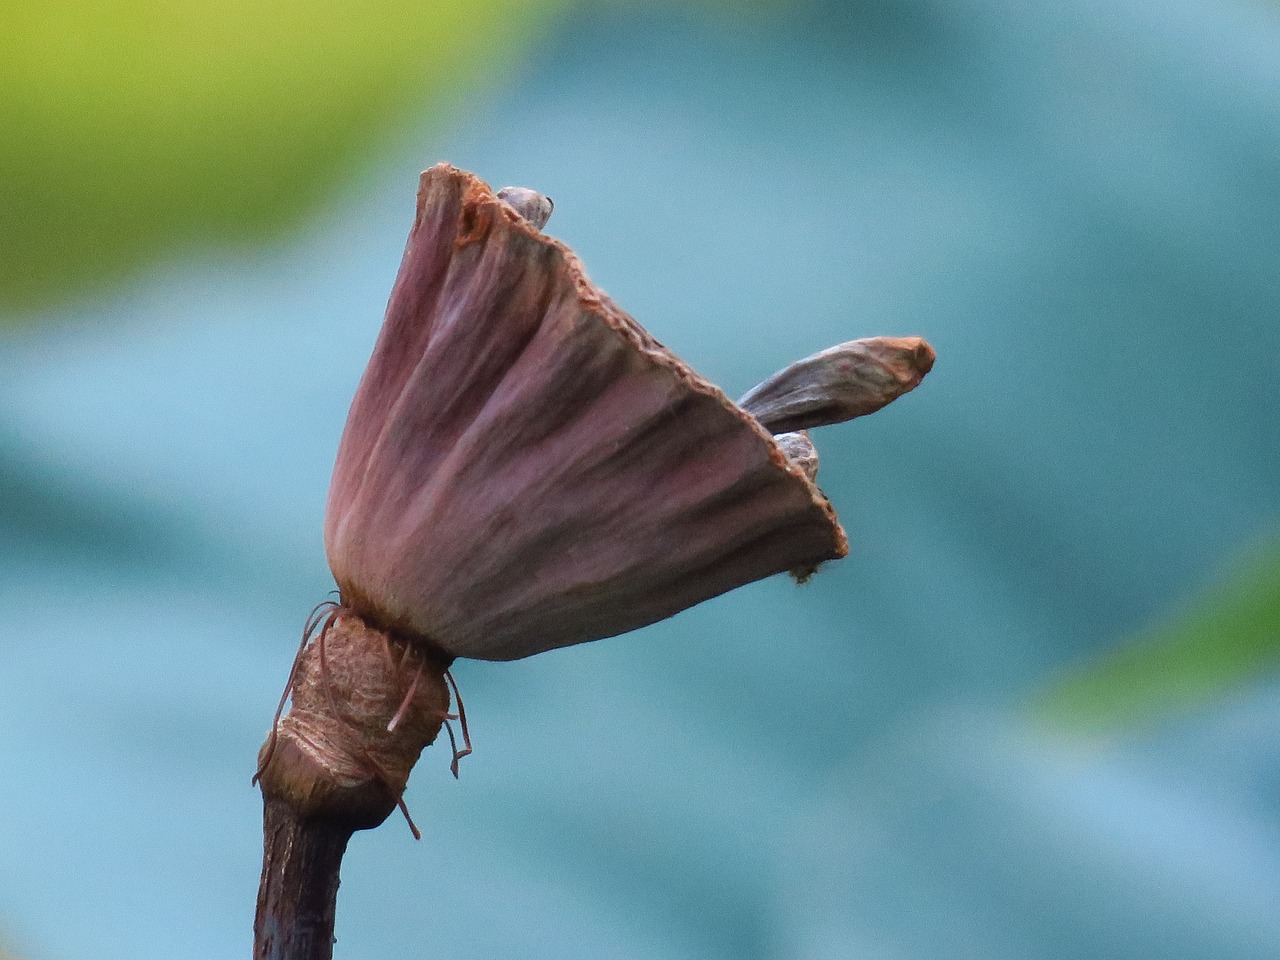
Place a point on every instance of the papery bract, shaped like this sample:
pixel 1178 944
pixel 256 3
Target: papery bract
pixel 524 467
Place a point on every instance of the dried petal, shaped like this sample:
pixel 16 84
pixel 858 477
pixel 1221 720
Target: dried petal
pixel 840 383
pixel 524 467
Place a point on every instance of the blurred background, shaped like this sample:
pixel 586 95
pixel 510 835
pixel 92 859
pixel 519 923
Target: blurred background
pixel 1033 715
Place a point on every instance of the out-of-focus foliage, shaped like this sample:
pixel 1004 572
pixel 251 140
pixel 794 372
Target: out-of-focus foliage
pixel 1072 202
pixel 1229 635
pixel 133 126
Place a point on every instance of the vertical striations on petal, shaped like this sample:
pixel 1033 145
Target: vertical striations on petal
pixel 524 467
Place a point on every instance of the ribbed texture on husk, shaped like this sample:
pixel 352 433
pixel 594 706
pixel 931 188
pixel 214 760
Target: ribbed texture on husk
pixel 524 467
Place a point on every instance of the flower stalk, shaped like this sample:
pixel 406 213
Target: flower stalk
pixel 332 766
pixel 524 467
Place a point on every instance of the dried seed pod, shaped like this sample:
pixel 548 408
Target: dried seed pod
pixel 533 206
pixel 840 383
pixel 524 467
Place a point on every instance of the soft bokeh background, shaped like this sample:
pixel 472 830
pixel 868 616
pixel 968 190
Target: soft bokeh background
pixel 1033 715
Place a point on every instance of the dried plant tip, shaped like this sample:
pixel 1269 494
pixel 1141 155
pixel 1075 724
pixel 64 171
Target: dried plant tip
pixel 533 206
pixel 840 383
pixel 524 467
pixel 800 451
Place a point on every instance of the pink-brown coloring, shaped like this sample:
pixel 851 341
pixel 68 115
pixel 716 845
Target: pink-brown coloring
pixel 524 467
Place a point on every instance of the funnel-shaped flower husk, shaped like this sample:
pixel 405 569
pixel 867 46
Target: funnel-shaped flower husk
pixel 524 467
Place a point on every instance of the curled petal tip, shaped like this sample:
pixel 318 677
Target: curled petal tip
pixel 914 354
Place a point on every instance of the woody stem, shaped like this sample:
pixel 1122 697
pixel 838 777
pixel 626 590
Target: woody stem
pixel 307 819
pixel 298 893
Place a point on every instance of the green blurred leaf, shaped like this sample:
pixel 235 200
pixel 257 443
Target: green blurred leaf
pixel 133 127
pixel 1228 636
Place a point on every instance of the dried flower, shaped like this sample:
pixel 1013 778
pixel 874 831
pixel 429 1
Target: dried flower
pixel 524 467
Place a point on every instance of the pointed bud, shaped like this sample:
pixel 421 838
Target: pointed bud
pixel 840 383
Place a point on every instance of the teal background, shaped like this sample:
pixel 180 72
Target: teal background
pixel 1077 205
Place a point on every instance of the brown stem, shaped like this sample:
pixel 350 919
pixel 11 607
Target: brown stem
pixel 306 823
pixel 331 768
pixel 298 894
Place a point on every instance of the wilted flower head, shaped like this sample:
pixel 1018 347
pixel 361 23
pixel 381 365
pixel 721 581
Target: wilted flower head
pixel 524 467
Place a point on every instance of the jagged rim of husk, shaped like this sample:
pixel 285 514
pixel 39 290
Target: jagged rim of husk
pixel 596 302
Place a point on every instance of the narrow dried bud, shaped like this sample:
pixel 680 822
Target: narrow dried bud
pixel 800 451
pixel 533 206
pixel 840 383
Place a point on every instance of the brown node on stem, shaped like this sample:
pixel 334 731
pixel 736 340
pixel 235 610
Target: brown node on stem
pixel 364 706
